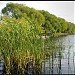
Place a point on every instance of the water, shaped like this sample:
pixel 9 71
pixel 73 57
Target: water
pixel 1 66
pixel 63 61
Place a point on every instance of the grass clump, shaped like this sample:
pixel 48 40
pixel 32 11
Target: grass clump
pixel 20 41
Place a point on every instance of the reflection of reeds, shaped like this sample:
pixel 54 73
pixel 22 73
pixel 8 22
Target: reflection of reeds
pixel 54 48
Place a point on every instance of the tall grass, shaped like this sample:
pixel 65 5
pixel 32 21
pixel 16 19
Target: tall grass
pixel 19 42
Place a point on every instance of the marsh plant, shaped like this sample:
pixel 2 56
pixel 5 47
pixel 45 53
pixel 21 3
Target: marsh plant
pixel 20 41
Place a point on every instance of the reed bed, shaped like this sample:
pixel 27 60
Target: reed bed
pixel 20 41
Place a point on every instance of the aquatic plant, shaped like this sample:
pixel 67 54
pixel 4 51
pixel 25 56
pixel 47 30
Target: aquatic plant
pixel 20 41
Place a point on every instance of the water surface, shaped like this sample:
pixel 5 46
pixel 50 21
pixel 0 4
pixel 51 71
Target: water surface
pixel 63 61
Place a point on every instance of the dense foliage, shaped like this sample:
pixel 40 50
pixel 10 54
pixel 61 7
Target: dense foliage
pixel 19 42
pixel 54 24
pixel 50 23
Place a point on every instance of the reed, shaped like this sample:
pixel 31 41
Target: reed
pixel 19 42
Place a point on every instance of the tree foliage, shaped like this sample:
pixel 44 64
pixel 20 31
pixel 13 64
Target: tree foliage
pixel 49 22
pixel 55 24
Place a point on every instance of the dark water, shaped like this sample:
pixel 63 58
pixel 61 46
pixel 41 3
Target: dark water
pixel 63 61
pixel 1 66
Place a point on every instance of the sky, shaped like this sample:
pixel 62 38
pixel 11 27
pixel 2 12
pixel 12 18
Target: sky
pixel 63 9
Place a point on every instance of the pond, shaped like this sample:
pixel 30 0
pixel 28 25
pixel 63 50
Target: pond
pixel 63 61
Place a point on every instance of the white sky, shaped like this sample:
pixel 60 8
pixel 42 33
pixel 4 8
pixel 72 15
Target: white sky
pixel 63 9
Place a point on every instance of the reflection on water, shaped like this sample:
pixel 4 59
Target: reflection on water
pixel 63 60
pixel 1 66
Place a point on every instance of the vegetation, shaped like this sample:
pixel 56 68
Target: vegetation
pixel 50 23
pixel 20 35
pixel 20 42
pixel 53 24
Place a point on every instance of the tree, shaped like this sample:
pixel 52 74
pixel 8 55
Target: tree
pixel 20 10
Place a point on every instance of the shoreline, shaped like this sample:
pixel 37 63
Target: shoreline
pixel 60 34
pixel 54 35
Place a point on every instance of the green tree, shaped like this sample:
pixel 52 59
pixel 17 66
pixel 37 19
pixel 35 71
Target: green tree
pixel 20 10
